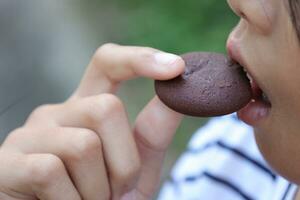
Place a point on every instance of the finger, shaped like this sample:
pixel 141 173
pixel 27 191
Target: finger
pixel 4 196
pixel 49 178
pixel 154 130
pixel 42 176
pixel 106 115
pixel 81 151
pixel 113 63
pixel 11 179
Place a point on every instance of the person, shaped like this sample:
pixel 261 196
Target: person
pixel 84 148
pixel 222 160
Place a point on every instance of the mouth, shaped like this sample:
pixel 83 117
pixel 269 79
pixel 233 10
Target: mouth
pixel 260 105
pixel 257 93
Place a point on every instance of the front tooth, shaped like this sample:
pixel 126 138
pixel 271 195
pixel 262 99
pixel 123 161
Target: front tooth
pixel 249 77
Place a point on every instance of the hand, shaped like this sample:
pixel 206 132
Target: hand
pixel 85 148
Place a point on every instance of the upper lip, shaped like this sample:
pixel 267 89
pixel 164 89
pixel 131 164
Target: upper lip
pixel 234 53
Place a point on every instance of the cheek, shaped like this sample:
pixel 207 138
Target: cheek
pixel 263 15
pixel 276 63
pixel 270 10
pixel 275 60
pixel 279 136
pixel 284 72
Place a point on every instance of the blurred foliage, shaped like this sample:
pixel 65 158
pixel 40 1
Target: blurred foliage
pixel 74 29
pixel 172 25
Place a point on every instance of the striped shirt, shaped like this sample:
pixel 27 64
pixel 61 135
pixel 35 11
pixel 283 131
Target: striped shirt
pixel 222 162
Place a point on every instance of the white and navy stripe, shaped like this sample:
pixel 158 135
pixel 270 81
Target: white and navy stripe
pixel 223 162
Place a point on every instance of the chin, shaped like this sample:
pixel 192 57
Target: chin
pixel 280 156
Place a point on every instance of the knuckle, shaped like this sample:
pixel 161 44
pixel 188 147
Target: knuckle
pixel 18 138
pixel 108 45
pixel 15 134
pixel 103 49
pixel 87 143
pixel 128 174
pixel 42 169
pixel 110 103
pixel 41 111
pixel 103 106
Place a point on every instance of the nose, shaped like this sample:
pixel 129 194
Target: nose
pixel 236 7
pixel 255 12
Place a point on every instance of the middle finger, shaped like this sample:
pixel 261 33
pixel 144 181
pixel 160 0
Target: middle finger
pixel 79 149
pixel 106 116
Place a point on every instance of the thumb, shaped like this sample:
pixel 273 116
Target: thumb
pixel 154 130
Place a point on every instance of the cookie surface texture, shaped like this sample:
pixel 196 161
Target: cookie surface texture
pixel 212 85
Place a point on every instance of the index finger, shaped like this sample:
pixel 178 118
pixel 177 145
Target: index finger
pixel 113 63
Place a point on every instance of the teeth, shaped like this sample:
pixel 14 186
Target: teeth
pixel 264 97
pixel 249 77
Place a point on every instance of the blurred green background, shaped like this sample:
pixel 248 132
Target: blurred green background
pixel 46 44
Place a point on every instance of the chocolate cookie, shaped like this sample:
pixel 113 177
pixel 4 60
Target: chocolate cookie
pixel 211 85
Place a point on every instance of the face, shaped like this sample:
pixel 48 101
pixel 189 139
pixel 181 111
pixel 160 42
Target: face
pixel 266 44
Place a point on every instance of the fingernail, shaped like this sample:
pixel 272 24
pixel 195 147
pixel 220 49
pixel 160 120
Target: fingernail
pixel 165 58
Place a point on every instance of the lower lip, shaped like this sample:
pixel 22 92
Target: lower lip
pixel 257 109
pixel 254 112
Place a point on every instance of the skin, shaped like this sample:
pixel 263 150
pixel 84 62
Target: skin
pixel 85 148
pixel 269 45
